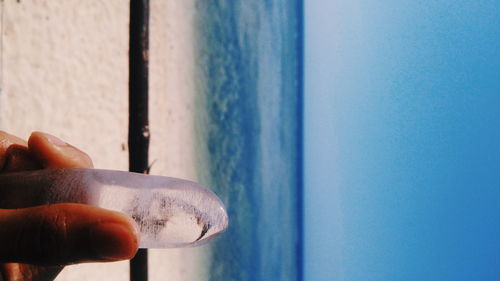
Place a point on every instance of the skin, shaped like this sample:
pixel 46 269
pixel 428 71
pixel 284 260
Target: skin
pixel 39 241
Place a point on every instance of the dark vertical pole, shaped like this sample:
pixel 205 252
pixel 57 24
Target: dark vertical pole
pixel 138 138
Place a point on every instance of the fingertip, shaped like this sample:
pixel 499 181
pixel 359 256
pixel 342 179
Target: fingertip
pixel 66 233
pixel 107 235
pixel 114 238
pixel 37 135
pixel 52 152
pixel 113 241
pixel 14 153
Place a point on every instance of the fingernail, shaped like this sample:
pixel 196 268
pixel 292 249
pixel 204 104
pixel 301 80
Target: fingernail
pixel 113 241
pixel 54 140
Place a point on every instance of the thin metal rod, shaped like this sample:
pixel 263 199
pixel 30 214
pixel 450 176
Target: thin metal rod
pixel 138 138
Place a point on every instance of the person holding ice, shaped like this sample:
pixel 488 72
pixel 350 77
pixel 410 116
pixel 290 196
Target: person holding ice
pixel 37 242
pixel 50 203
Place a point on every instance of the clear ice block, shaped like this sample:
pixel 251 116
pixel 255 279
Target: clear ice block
pixel 170 212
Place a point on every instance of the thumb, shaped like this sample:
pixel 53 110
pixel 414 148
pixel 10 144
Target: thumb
pixel 65 233
pixel 51 152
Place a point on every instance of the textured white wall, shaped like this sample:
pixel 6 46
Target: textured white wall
pixel 65 71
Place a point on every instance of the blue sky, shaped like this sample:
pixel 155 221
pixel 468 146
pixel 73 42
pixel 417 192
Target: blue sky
pixel 402 140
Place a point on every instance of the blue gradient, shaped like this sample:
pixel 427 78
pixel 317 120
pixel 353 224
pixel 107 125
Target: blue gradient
pixel 402 140
pixel 249 117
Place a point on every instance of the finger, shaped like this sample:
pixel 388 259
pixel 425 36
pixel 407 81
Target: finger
pixel 14 154
pixel 64 234
pixel 52 152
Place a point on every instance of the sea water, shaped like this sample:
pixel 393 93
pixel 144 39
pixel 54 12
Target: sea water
pixel 249 116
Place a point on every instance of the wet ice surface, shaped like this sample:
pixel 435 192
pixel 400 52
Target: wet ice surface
pixel 170 212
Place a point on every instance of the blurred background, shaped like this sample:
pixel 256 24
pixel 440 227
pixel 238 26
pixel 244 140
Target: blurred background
pixel 349 140
pixel 402 155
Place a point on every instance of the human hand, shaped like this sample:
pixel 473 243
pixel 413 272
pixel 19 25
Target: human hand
pixel 36 242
